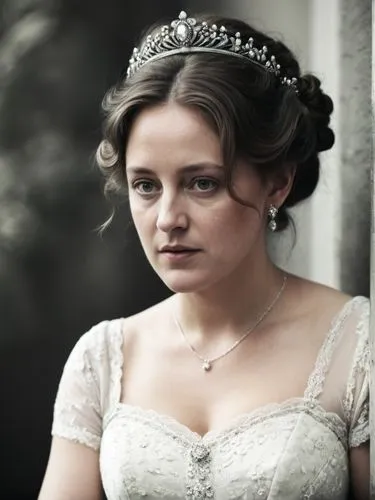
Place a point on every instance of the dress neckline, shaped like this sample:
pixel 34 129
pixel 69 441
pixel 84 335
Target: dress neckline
pixel 308 403
pixel 172 427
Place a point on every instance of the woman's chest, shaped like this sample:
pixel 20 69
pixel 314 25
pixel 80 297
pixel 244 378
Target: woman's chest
pixel 204 401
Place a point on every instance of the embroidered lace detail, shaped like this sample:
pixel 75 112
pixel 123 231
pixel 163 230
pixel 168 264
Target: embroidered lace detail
pixel 176 430
pixel 77 406
pixel 80 401
pixel 357 412
pixel 361 361
pixel 198 481
pixel 146 453
pixel 117 361
pixel 330 473
pixel 316 380
pixel 78 435
pixel 361 431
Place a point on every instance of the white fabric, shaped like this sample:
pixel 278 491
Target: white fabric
pixel 297 449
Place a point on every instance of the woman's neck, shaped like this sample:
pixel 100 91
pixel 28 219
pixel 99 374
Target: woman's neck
pixel 228 308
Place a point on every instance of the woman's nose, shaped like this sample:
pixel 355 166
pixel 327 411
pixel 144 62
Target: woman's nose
pixel 172 215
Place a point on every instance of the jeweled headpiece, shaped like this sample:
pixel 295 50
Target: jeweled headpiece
pixel 186 35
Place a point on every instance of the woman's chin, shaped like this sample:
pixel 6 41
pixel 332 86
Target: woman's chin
pixel 184 287
pixel 184 284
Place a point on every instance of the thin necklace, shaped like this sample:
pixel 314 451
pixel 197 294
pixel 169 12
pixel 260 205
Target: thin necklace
pixel 207 363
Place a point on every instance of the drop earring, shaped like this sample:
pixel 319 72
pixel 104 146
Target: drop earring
pixel 272 214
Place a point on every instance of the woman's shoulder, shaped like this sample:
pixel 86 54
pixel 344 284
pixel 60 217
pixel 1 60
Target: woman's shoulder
pixel 321 309
pixel 97 346
pixel 151 324
pixel 327 305
pixel 99 335
pixel 318 296
pixel 110 334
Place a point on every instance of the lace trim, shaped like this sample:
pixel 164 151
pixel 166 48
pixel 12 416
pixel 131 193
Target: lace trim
pixel 361 362
pixel 117 362
pixel 360 437
pixel 78 435
pixel 176 430
pixel 361 432
pixel 315 383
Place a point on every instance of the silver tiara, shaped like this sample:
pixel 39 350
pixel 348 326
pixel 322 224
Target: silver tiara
pixel 186 35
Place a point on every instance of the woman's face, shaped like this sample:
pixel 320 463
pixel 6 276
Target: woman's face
pixel 177 196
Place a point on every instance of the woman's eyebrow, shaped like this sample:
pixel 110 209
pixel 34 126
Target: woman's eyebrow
pixel 188 168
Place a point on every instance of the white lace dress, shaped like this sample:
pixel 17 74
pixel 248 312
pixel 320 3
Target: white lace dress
pixel 297 449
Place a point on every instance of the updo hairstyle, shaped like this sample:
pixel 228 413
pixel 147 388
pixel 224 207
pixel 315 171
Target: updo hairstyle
pixel 256 117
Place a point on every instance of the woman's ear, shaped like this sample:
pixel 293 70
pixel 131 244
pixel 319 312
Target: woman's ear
pixel 280 185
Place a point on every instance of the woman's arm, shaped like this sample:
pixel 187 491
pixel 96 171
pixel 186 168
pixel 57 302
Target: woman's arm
pixel 72 472
pixel 359 458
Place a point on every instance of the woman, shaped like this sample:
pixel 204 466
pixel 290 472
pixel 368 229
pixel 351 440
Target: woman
pixel 248 382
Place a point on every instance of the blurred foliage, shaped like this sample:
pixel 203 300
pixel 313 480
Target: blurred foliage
pixel 56 61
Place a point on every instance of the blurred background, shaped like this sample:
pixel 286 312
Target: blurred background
pixel 57 276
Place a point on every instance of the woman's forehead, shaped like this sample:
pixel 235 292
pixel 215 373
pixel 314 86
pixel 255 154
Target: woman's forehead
pixel 172 132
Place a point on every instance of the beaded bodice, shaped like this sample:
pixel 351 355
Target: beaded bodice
pixel 293 450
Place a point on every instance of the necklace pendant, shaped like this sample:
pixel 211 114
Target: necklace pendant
pixel 206 366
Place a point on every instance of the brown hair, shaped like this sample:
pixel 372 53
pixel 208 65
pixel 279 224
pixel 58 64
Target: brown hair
pixel 255 117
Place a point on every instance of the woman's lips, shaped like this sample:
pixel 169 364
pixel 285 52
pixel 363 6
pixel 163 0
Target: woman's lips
pixel 179 255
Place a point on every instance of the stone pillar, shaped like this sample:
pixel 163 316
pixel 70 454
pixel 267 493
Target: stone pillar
pixel 340 50
pixel 355 132
pixel 372 277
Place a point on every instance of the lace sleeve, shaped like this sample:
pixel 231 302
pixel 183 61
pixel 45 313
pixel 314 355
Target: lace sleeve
pixel 357 397
pixel 77 414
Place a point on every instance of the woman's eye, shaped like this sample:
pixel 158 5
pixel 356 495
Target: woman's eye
pixel 204 184
pixel 144 187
